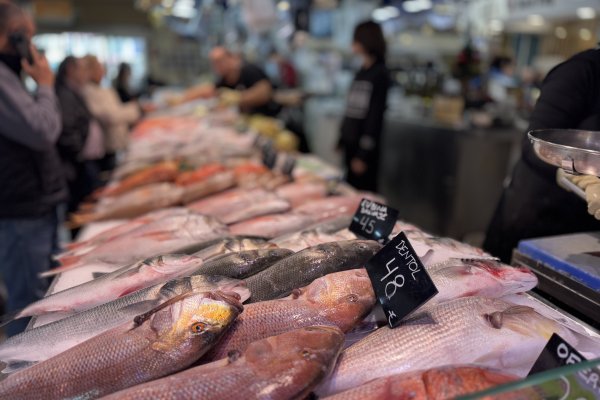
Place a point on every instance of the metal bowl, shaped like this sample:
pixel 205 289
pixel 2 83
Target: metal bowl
pixel 575 151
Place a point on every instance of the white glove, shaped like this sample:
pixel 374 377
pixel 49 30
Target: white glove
pixel 591 185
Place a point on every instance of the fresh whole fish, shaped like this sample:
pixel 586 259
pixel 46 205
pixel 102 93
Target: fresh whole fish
pixel 214 184
pixel 231 200
pixel 329 207
pixel 298 193
pixel 243 264
pixel 268 205
pixel 340 299
pixel 306 238
pixel 307 265
pixel 233 245
pixel 281 367
pixel 434 384
pixel 132 204
pixel 198 175
pixel 442 249
pixel 271 226
pixel 113 285
pixel 472 330
pixel 48 340
pixel 159 237
pixel 155 344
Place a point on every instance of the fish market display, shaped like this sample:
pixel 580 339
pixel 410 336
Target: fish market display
pixel 155 344
pixel 213 184
pixel 159 237
pixel 48 340
pixel 472 330
pixel 269 205
pixel 271 226
pixel 298 193
pixel 307 238
pixel 233 245
pixel 230 201
pixel 307 265
pixel 116 284
pixel 132 204
pixel 162 172
pixel 190 177
pixel 341 299
pixel 330 207
pixel 243 264
pixel 435 384
pixel 281 367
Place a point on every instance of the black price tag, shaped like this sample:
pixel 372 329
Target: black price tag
pixel 288 166
pixel 556 354
pixel 400 280
pixel 374 221
pixel 269 155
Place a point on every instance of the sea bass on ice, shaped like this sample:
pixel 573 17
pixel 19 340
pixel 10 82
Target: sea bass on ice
pixel 155 344
pixel 268 205
pixel 472 330
pixel 434 384
pixel 243 264
pixel 281 367
pixel 48 340
pixel 271 226
pixel 340 299
pixel 307 265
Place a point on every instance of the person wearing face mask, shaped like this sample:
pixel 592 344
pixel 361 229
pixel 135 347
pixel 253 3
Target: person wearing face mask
pixel 31 178
pixel 365 107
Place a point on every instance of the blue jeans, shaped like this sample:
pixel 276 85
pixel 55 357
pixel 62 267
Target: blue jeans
pixel 26 246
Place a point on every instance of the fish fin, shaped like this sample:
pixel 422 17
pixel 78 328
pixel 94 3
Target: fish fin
pixel 9 317
pixel 97 275
pixel 138 320
pixel 16 365
pixel 68 260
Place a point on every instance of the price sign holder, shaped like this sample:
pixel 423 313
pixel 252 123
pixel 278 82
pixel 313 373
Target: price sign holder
pixel 374 221
pixel 400 280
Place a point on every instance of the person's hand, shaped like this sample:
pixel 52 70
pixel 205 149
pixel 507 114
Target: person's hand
pixel 591 185
pixel 358 166
pixel 230 97
pixel 39 70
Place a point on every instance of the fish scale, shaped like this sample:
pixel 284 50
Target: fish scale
pixel 40 343
pixel 307 265
pixel 455 332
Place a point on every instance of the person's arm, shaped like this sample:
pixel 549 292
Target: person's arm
pixel 33 122
pixel 108 109
pixel 257 95
pixel 75 128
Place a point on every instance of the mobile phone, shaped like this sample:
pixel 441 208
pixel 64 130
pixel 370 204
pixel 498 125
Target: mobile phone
pixel 21 44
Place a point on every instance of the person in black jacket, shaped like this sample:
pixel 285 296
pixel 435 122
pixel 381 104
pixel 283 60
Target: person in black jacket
pixel 81 174
pixel 31 179
pixel 533 205
pixel 367 100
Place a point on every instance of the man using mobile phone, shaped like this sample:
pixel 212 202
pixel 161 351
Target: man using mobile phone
pixel 31 177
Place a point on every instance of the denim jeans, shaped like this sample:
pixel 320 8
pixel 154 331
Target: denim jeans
pixel 26 246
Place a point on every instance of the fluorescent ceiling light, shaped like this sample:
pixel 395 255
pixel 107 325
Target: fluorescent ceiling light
pixel 586 13
pixel 385 13
pixel 283 5
pixel 496 25
pixel 585 34
pixel 184 9
pixel 560 32
pixel 535 20
pixel 415 6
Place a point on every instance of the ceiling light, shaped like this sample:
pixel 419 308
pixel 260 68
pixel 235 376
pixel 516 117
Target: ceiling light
pixel 385 13
pixel 184 9
pixel 496 25
pixel 535 20
pixel 560 32
pixel 415 6
pixel 585 34
pixel 586 13
pixel 283 5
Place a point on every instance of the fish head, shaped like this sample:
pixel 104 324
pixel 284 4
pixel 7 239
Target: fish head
pixel 193 320
pixel 310 353
pixel 174 264
pixel 488 278
pixel 246 243
pixel 199 225
pixel 204 283
pixel 529 332
pixel 344 297
pixel 360 249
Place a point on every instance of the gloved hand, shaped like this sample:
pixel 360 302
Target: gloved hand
pixel 591 185
pixel 230 97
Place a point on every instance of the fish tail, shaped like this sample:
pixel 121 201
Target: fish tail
pixel 58 270
pixel 10 317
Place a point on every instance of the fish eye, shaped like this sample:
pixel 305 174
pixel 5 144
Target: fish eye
pixel 198 327
pixel 352 298
pixel 305 354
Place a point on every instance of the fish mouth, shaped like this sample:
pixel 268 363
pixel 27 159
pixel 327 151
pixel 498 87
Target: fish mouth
pixel 231 298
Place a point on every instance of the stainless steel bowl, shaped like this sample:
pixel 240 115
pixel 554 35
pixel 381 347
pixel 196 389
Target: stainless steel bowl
pixel 575 151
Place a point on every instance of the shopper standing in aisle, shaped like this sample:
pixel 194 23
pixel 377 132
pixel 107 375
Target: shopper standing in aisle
pixel 115 117
pixel 533 205
pixel 367 100
pixel 31 180
pixel 81 143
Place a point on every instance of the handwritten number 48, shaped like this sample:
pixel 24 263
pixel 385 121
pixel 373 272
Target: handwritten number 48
pixel 394 283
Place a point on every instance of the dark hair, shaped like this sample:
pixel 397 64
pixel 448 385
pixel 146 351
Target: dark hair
pixel 500 62
pixel 370 36
pixel 120 78
pixel 8 11
pixel 61 73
